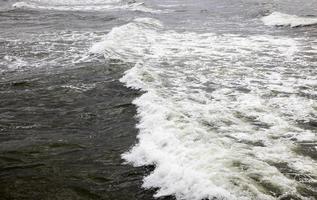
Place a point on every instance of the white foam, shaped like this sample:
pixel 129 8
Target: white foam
pixel 80 87
pixel 14 62
pixel 213 120
pixel 281 19
pixel 48 50
pixel 82 5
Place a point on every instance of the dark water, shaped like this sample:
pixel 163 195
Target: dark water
pixel 56 141
pixel 66 119
pixel 60 143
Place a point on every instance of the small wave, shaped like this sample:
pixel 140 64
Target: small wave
pixel 281 19
pixel 80 87
pixel 133 49
pixel 71 5
pixel 13 63
pixel 48 50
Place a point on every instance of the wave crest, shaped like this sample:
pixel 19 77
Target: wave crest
pixel 281 19
pixel 91 5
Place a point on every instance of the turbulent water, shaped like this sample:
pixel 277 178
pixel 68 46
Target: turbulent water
pixel 225 94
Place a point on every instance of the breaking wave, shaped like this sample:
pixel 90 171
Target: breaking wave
pixel 281 19
pixel 220 116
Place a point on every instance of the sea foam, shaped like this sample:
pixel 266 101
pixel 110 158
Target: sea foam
pixel 82 5
pixel 281 19
pixel 216 117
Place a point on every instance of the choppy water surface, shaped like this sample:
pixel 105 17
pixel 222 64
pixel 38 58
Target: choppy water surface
pixel 114 99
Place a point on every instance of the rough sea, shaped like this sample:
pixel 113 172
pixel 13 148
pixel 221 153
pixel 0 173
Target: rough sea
pixel 158 99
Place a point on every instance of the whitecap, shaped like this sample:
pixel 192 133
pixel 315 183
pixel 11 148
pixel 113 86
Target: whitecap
pixel 281 19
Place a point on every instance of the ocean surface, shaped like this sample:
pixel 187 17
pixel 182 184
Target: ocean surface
pixel 158 99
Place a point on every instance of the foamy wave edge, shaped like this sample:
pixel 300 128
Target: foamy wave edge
pixel 176 161
pixel 113 5
pixel 281 19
